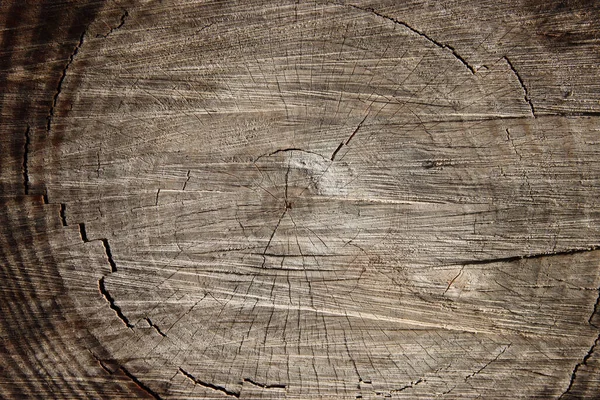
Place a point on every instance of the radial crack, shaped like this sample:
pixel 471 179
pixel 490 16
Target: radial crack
pixel 140 384
pixel 63 215
pixel 111 261
pixel 264 254
pixel 578 365
pixel 336 151
pixel 208 385
pixel 156 200
pixel 488 363
pixel 186 180
pixel 596 305
pixel 156 328
pixel 523 86
pixel 423 35
pixel 453 279
pixel 101 363
pixel 345 143
pixel 112 304
pixel 83 233
pixel 121 23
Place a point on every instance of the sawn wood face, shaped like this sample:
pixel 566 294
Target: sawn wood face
pixel 300 199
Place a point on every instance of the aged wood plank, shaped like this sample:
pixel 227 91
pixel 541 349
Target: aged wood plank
pixel 300 199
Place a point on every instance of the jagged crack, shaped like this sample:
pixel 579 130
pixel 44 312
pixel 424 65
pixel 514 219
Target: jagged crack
pixel 208 385
pixel 156 328
pixel 121 23
pixel 63 215
pixel 112 304
pixel 578 365
pixel 111 261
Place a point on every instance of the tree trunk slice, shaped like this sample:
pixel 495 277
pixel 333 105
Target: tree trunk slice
pixel 300 200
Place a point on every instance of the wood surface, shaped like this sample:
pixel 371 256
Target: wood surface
pixel 300 199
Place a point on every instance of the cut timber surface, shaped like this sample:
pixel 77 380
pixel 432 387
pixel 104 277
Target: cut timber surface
pixel 300 199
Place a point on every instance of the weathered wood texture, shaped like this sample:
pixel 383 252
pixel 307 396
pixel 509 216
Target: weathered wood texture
pixel 271 199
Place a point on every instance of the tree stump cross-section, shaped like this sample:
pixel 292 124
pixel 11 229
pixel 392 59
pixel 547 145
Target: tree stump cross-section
pixel 300 199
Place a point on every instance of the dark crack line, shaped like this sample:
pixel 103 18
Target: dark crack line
pixel 187 180
pixel 345 143
pixel 578 365
pixel 62 213
pixel 111 261
pixel 423 35
pixel 112 304
pixel 98 164
pixel 156 328
pixel 103 366
pixel 290 149
pixel 336 151
pixel 577 114
pixel 208 385
pixel 596 305
pixel 532 256
pixel 26 159
pixel 356 130
pixel 121 23
pixel 265 386
pixel 523 86
pixel 83 233
pixel 141 385
pixel 488 363
pixel 101 284
pixel 62 80
pixel 264 254
pixel 409 386
pixel 454 279
pixel 101 363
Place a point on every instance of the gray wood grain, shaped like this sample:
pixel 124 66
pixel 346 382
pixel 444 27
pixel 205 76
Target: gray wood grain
pixel 300 200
